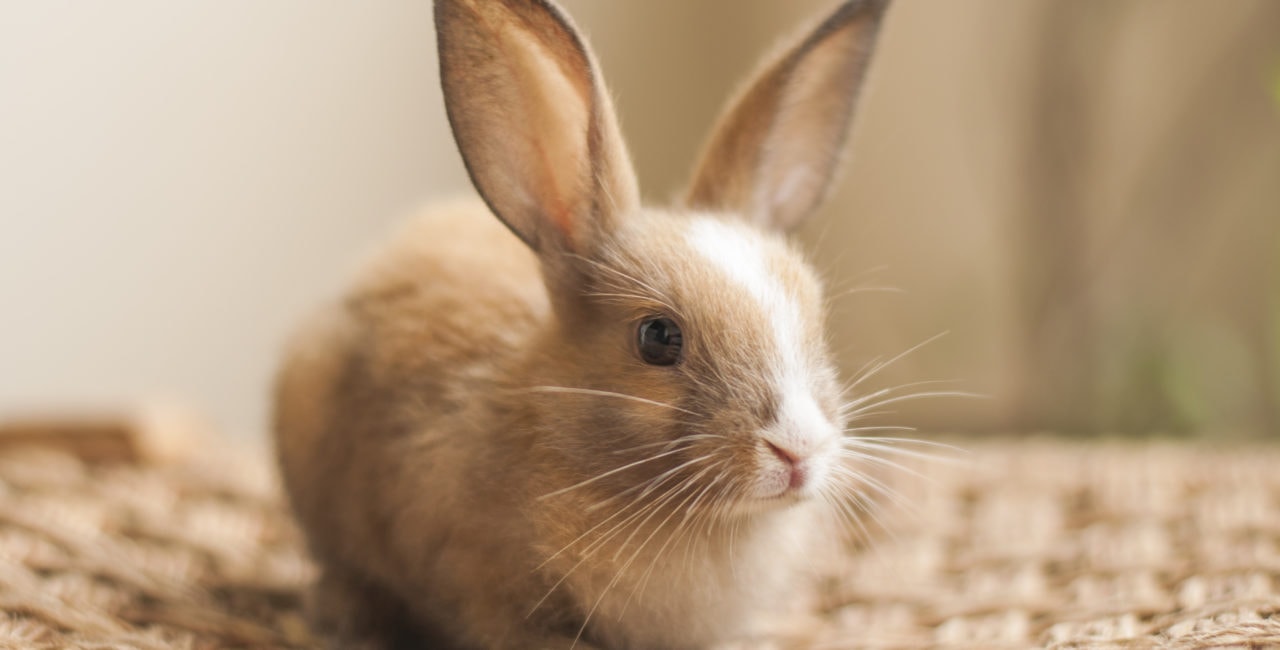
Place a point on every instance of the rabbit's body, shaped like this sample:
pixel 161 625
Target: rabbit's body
pixel 372 410
pixel 603 422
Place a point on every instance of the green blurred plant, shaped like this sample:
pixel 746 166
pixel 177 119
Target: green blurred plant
pixel 1144 389
pixel 1275 326
pixel 1275 87
pixel 1162 377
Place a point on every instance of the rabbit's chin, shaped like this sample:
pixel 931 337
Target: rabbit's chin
pixel 763 502
pixel 754 507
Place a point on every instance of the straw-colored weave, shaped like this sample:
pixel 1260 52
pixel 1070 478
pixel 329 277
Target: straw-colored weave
pixel 1073 546
pixel 1021 545
pixel 120 556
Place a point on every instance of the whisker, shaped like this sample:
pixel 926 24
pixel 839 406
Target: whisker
pixel 910 453
pixel 875 484
pixel 884 462
pixel 671 443
pixel 842 507
pixel 596 545
pixel 602 393
pixel 865 504
pixel 618 575
pixel 691 510
pixel 866 415
pixel 858 375
pixel 687 481
pixel 707 517
pixel 888 391
pixel 905 441
pixel 657 295
pixel 607 474
pixel 882 428
pixel 647 490
pixel 619 296
pixel 654 484
pixel 896 358
pixel 856 290
pixel 837 288
pixel 915 396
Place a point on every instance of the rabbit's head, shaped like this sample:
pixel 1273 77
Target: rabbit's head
pixel 686 358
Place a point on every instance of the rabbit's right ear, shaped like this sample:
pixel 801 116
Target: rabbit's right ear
pixel 533 122
pixel 776 148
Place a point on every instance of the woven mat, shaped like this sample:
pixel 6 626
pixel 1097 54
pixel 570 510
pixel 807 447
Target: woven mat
pixel 1024 544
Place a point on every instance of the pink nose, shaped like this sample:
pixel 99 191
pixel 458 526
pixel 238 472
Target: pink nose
pixel 793 462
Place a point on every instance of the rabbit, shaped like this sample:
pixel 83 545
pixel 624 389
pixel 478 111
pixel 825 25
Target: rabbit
pixel 553 417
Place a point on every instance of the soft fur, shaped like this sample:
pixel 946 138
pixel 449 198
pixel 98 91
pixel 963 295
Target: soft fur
pixel 475 449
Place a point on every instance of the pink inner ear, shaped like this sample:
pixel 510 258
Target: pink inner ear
pixel 554 205
pixel 553 114
pixel 804 148
pixel 775 151
pixel 520 93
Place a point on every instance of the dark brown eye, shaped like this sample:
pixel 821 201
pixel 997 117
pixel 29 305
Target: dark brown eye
pixel 659 341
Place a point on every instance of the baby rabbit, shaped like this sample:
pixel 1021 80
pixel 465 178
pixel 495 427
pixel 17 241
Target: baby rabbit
pixel 559 417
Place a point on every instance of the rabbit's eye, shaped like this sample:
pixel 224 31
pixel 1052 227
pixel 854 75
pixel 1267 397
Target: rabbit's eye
pixel 659 341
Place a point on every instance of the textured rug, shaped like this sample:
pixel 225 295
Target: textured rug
pixel 1015 545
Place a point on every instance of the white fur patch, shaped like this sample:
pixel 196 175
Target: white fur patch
pixel 740 254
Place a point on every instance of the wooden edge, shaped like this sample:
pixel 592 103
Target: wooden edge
pixel 151 434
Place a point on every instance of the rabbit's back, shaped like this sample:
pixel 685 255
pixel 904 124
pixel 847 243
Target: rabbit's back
pixel 435 319
pixel 452 294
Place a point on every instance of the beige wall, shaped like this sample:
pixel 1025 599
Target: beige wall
pixel 1083 194
pixel 181 180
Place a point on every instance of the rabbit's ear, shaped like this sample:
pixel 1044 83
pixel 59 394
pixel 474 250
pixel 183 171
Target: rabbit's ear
pixel 533 121
pixel 774 151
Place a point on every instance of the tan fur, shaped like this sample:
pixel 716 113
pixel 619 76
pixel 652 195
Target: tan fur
pixel 470 439
pixel 555 118
pixel 773 153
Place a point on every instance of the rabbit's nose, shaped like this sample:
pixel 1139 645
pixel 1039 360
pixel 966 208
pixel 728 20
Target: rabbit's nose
pixel 795 464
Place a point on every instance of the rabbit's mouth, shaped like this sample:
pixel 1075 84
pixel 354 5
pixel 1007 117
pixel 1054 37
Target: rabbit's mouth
pixel 797 469
pixel 785 475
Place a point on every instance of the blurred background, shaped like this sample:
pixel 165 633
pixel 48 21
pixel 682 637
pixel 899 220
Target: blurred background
pixel 1083 194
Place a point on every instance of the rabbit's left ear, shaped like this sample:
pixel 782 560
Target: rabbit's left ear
pixel 533 122
pixel 775 150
